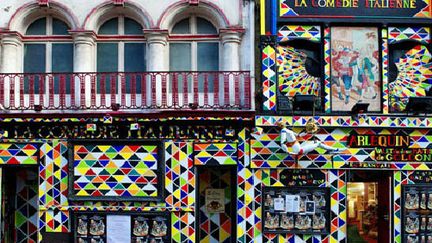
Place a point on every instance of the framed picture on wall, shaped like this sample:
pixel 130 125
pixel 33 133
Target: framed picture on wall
pixel 355 68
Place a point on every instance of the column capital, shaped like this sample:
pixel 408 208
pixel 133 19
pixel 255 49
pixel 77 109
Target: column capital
pixel 10 38
pixel 155 36
pixel 83 37
pixel 231 35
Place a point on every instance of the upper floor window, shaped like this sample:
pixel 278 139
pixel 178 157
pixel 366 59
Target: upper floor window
pixel 48 48
pixel 121 48
pixel 194 45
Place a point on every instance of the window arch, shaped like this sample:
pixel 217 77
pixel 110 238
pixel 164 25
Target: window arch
pixel 48 48
pixel 194 45
pixel 121 47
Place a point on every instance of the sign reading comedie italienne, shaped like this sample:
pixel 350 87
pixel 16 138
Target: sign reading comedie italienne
pixel 354 8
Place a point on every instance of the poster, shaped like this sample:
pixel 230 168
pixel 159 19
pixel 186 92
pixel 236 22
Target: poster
pixel 292 203
pixel 355 69
pixel 279 204
pixel 215 200
pixel 118 228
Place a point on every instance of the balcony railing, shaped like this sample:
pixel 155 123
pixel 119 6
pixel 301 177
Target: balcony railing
pixel 149 90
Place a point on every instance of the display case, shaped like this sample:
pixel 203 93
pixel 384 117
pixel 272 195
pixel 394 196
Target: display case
pixel 296 210
pixel 417 213
pixel 101 227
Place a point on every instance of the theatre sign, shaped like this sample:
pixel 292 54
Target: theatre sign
pixel 354 8
pixel 390 148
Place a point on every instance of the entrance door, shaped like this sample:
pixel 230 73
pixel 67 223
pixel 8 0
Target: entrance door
pixel 368 206
pixel 19 204
pixel 216 212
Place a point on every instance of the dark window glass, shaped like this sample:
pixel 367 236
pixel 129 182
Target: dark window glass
pixel 62 62
pixel 110 27
pixel 182 27
pixel 134 62
pixel 34 62
pixel 131 27
pixel 59 27
pixel 205 27
pixel 107 61
pixel 38 27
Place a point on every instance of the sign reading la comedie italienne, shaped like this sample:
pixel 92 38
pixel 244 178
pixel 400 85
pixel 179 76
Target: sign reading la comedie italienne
pixel 354 8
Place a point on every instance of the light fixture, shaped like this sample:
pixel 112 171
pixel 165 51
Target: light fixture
pixel 37 108
pixel 303 103
pixel 422 104
pixel 115 106
pixel 359 108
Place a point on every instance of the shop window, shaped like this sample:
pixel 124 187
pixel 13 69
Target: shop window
pixel 43 55
pixel 195 48
pixel 125 51
pixel 409 64
pixel 299 71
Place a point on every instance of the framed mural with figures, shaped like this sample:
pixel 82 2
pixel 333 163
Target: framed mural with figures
pixel 355 68
pixel 296 210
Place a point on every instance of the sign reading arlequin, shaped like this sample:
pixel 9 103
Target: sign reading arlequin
pixel 390 148
pixel 354 8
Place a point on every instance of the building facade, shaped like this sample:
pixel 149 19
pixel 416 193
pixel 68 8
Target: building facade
pixel 356 74
pixel 126 121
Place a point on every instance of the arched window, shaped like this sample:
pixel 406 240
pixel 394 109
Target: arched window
pixel 121 48
pixel 194 45
pixel 48 48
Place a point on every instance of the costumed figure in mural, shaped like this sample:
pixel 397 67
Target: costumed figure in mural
pixel 367 65
pixel 344 62
pixel 291 145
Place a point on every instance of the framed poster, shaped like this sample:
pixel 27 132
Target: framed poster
pixel 296 210
pixel 104 227
pixel 215 200
pixel 355 68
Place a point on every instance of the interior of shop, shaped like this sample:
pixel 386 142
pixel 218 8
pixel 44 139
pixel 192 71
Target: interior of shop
pixel 368 198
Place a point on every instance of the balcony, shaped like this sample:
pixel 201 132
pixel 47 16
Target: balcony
pixel 149 91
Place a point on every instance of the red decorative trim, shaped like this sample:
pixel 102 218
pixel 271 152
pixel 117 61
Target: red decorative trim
pixel 119 2
pixel 193 2
pixel 43 3
pixel 47 38
pixel 170 8
pixel 193 37
pixel 233 29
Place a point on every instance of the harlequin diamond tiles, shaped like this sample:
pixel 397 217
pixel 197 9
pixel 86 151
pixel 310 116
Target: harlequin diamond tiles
pixel 57 220
pixel 290 32
pixel 115 170
pixel 215 154
pixel 19 153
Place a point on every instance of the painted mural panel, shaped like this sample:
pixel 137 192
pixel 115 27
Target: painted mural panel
pixel 355 75
pixel 116 171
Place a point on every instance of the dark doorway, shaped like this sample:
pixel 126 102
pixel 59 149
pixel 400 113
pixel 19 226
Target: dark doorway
pixel 19 204
pixel 368 206
pixel 216 200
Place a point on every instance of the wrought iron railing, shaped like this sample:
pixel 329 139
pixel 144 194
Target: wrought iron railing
pixel 149 90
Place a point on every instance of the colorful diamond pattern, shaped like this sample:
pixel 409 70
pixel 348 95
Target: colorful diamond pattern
pixel 414 77
pixel 19 153
pixel 385 61
pixel 57 220
pixel 293 77
pixel 180 177
pixel 290 32
pixel 215 153
pixel 115 170
pixel 26 204
pixel 269 78
pixel 421 34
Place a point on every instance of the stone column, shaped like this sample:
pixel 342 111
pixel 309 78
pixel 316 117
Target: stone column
pixel 10 62
pixel 84 61
pixel 156 61
pixel 231 39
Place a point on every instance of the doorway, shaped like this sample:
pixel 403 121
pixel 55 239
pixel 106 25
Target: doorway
pixel 19 204
pixel 368 204
pixel 216 200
